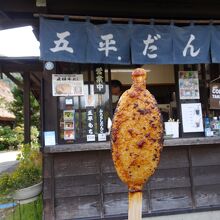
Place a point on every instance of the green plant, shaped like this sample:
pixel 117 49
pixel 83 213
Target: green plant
pixel 28 172
pixel 13 138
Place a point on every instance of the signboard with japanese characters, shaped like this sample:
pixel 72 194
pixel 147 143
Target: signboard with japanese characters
pixel 84 42
pixel 99 80
pixel 215 96
pixel 101 124
pixel 90 124
pixel 67 85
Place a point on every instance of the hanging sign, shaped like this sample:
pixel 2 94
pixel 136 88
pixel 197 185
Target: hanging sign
pixel 189 85
pixel 90 124
pixel 215 96
pixel 101 124
pixel 67 85
pixel 99 79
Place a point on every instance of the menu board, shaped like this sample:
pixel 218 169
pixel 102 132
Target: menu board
pixel 192 117
pixel 67 85
pixel 189 85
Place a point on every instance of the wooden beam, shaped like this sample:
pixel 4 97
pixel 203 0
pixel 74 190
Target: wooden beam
pixel 27 121
pixel 21 67
pixel 14 80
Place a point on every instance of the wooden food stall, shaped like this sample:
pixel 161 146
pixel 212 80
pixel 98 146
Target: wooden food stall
pixel 80 181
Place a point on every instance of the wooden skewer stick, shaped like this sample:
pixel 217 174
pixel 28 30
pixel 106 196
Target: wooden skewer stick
pixel 135 206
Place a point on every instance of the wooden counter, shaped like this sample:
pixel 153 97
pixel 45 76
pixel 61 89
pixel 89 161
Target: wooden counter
pixel 94 146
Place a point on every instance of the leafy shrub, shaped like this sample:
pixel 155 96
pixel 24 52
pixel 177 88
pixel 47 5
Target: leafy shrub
pixel 28 172
pixel 13 138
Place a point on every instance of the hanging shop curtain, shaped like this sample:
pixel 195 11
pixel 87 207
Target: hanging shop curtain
pixel 83 42
pixel 151 44
pixel 63 41
pixel 108 44
pixel 191 44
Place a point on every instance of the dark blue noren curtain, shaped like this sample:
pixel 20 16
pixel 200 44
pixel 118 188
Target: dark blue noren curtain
pixel 151 44
pixel 63 41
pixel 191 44
pixel 108 43
pixel 215 44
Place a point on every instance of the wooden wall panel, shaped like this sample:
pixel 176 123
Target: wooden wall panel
pixel 170 178
pixel 112 184
pixel 171 199
pixel 208 175
pixel 78 163
pixel 207 155
pixel 116 204
pixel 207 195
pixel 77 207
pixel 174 158
pixel 107 165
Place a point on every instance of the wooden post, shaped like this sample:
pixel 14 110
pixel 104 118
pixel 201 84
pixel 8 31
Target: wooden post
pixel 135 206
pixel 26 94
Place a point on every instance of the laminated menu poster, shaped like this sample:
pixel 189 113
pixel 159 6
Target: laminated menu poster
pixel 189 85
pixel 192 117
pixel 67 85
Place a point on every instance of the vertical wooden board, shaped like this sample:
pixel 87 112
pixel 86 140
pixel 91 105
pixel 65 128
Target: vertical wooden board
pixel 170 178
pixel 107 165
pixel 174 158
pixel 47 165
pixel 80 163
pixel 168 199
pixel 207 175
pixel 207 155
pixel 48 210
pixel 207 196
pixel 47 188
pixel 112 184
pixel 50 103
pixel 77 207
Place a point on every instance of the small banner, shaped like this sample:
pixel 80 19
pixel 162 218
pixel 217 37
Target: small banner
pixel 151 44
pixel 90 124
pixel 101 124
pixel 191 44
pixel 215 96
pixel 108 43
pixel 62 41
pixel 99 79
